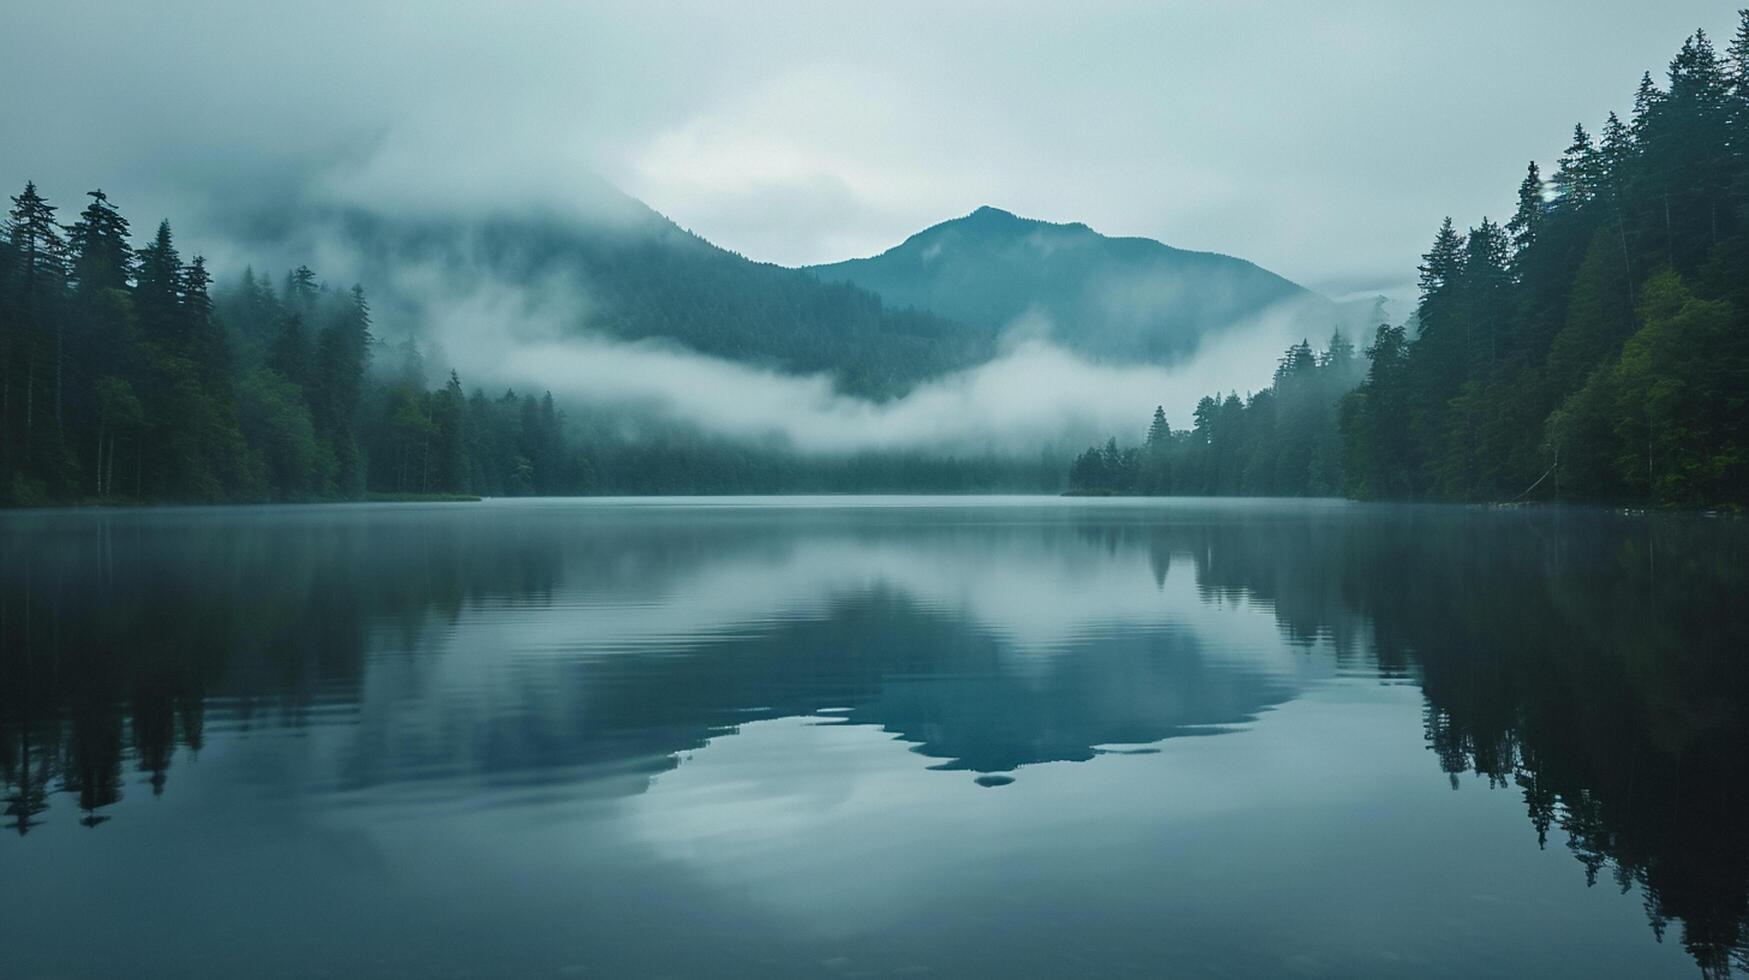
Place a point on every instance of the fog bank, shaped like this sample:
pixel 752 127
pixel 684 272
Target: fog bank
pixel 1035 393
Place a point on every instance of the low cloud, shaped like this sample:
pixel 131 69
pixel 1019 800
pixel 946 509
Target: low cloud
pixel 1033 394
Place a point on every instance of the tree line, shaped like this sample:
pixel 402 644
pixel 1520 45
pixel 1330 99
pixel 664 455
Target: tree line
pixel 125 375
pixel 1282 441
pixel 1595 347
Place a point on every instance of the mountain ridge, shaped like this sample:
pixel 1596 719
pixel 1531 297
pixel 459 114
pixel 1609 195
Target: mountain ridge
pixel 1108 297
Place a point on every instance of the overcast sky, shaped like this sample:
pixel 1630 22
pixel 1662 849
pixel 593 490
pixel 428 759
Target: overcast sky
pixel 1321 140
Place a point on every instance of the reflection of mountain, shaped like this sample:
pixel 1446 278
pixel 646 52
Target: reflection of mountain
pixel 937 681
pixel 1130 690
pixel 648 637
pixel 1591 662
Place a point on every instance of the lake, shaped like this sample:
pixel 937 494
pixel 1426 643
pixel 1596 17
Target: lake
pixel 952 737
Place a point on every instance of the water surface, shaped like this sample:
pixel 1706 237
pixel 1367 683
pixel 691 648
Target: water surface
pixel 873 737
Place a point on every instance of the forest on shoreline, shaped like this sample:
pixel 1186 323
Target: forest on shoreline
pixel 125 376
pixel 1593 348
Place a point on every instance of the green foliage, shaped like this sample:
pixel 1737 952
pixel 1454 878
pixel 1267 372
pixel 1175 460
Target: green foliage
pixel 284 451
pixel 1596 350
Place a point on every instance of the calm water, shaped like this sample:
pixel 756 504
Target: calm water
pixel 873 737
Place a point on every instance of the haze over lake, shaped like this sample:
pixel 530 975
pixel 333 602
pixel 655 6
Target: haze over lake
pixel 857 736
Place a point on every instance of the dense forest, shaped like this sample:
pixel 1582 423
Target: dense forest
pixel 639 276
pixel 1594 347
pixel 126 376
pixel 1281 441
pixel 1597 342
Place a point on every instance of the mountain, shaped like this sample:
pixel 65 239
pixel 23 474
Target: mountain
pixel 630 273
pixel 1121 299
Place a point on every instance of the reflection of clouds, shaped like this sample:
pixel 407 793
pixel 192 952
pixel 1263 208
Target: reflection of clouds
pixel 795 814
pixel 838 830
pixel 1037 592
pixel 1042 640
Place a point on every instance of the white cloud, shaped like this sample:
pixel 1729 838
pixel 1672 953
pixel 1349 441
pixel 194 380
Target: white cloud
pixel 1322 141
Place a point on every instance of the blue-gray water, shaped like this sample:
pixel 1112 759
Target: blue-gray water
pixel 873 737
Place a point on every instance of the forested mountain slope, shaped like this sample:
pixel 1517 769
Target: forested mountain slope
pixel 1118 299
pixel 633 274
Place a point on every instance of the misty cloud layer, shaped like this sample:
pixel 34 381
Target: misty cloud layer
pixel 797 132
pixel 1035 393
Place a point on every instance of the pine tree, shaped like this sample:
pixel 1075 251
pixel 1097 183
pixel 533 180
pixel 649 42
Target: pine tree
pixel 449 419
pixel 301 289
pixel 1296 361
pixel 1737 72
pixel 1441 265
pixel 204 337
pixel 1647 98
pixel 1615 154
pixel 1376 422
pixel 1339 355
pixel 1485 282
pixel 1700 94
pixel 342 358
pixel 40 254
pixel 1576 176
pixel 102 257
pixel 1159 433
pixel 197 303
pixel 1528 219
pixel 158 289
pixel 1156 460
pixel 38 248
pixel 1617 158
pixel 1446 341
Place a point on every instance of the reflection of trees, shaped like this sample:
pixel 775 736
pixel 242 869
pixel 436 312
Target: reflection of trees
pixel 1587 662
pixel 134 629
pixel 114 631
pixel 1594 663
